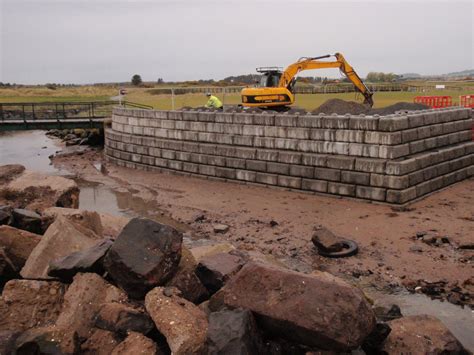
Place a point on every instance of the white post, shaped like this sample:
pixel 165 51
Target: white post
pixel 172 99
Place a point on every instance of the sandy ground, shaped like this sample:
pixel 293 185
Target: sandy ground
pixel 390 255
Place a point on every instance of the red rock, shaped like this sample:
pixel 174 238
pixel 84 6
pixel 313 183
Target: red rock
pixel 121 318
pixel 136 344
pixel 47 340
pixel 182 323
pixel 18 244
pixel 317 310
pixel 101 342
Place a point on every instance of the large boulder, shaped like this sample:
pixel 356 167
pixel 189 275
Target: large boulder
pixel 37 191
pixel 6 215
pixel 29 303
pixel 215 270
pixel 111 225
pixel 87 260
pixel 8 270
pixel 27 220
pixel 83 300
pixel 136 343
pixel 121 318
pixel 233 332
pixel 421 334
pixel 186 280
pixel 182 323
pixel 145 254
pixel 317 310
pixel 62 238
pixel 18 244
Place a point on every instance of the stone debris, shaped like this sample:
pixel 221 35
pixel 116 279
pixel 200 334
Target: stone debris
pixel 182 323
pixel 27 220
pixel 47 340
pixel 101 342
pixel 6 215
pixel 145 254
pixel 220 228
pixel 136 344
pixel 17 244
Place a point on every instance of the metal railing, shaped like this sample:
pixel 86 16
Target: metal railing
pixel 62 110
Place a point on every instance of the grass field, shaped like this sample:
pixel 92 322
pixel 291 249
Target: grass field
pixel 143 96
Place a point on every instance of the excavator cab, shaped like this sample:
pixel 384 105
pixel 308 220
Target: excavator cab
pixel 270 77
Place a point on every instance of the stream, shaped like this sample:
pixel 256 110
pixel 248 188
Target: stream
pixel 33 148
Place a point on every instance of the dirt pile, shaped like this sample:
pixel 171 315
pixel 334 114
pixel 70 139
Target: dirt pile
pixel 341 107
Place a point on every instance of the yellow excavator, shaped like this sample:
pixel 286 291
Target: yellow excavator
pixel 275 88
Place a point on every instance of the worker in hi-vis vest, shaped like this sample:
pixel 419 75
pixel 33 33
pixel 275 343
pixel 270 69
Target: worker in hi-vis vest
pixel 213 102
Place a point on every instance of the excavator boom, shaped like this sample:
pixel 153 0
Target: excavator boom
pixel 282 94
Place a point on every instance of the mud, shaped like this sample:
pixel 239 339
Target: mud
pixel 342 107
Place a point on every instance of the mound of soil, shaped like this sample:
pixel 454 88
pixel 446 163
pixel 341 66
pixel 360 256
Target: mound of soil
pixel 399 106
pixel 341 107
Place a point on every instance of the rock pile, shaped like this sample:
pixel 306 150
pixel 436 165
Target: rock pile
pixel 87 288
pixel 79 136
pixel 341 107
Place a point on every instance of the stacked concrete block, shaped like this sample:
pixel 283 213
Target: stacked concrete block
pixel 393 158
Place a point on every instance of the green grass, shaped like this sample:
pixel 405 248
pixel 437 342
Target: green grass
pixel 144 96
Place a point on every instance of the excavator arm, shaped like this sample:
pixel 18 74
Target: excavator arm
pixel 314 63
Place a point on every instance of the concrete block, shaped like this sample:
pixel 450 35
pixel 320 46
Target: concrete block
pixel 222 117
pixel 207 116
pixel 426 159
pixel 297 133
pixel 443 168
pixel 216 160
pixel 177 145
pixel 289 157
pixel 215 127
pixel 184 156
pixel 245 153
pixel 401 196
pixel 159 114
pixel 337 162
pixel 191 147
pixel 417 146
pixel 301 170
pixel 392 182
pixel 371 193
pixel 338 122
pixel 436 130
pixel 275 131
pixel 264 119
pixel 370 165
pixel 175 115
pixel 168 154
pixel 148 160
pixel 349 136
pixel 235 163
pixel 169 124
pixel 309 146
pixel 278 168
pixel 137 130
pixel 364 150
pixel 341 189
pixel 207 170
pixel 250 130
pixel 243 140
pixel 449 127
pixel 415 178
pixel 191 167
pixel 328 135
pixel 286 120
pixel 314 185
pixel 465 136
pixel 415 120
pixel 225 150
pixel 424 132
pixel 430 118
pixel 327 174
pixel 366 123
pixel 313 159
pixel 148 131
pixel 189 135
pixel 394 151
pixel 161 162
pixel 207 137
pixel 243 118
pixel 286 144
pixel 175 165
pixel 233 129
pixel 402 167
pixel 269 155
pixel 309 121
pixel 175 134
pixel 223 138
pixel 264 142
pixel 198 126
pixel 199 158
pixel 291 182
pixel 246 175
pixel 352 177
pixel 225 173
pixel 256 165
pixel 161 133
pixel 268 179
pixel 372 137
pixel 393 123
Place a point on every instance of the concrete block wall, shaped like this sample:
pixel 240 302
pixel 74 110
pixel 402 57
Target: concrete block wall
pixel 395 158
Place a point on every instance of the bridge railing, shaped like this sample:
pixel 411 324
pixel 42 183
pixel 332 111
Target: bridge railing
pixel 61 110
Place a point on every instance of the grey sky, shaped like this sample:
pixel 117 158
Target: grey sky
pixel 86 41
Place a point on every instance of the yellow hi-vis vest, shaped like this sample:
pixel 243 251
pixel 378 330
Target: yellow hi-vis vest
pixel 214 102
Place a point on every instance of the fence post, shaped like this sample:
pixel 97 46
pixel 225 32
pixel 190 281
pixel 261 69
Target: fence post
pixel 172 99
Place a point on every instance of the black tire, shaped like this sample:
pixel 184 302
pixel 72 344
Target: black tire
pixel 350 248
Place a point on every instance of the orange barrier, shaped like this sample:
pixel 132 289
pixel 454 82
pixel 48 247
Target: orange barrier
pixel 466 101
pixel 434 101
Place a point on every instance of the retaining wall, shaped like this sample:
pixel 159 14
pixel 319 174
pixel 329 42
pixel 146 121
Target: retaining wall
pixel 394 158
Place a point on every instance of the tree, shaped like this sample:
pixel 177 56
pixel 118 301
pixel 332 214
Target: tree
pixel 136 80
pixel 160 81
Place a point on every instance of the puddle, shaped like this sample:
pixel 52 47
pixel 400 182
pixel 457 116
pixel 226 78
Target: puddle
pixel 100 198
pixel 460 321
pixel 29 148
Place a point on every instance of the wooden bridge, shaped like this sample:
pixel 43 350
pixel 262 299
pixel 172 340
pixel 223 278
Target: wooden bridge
pixel 58 115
